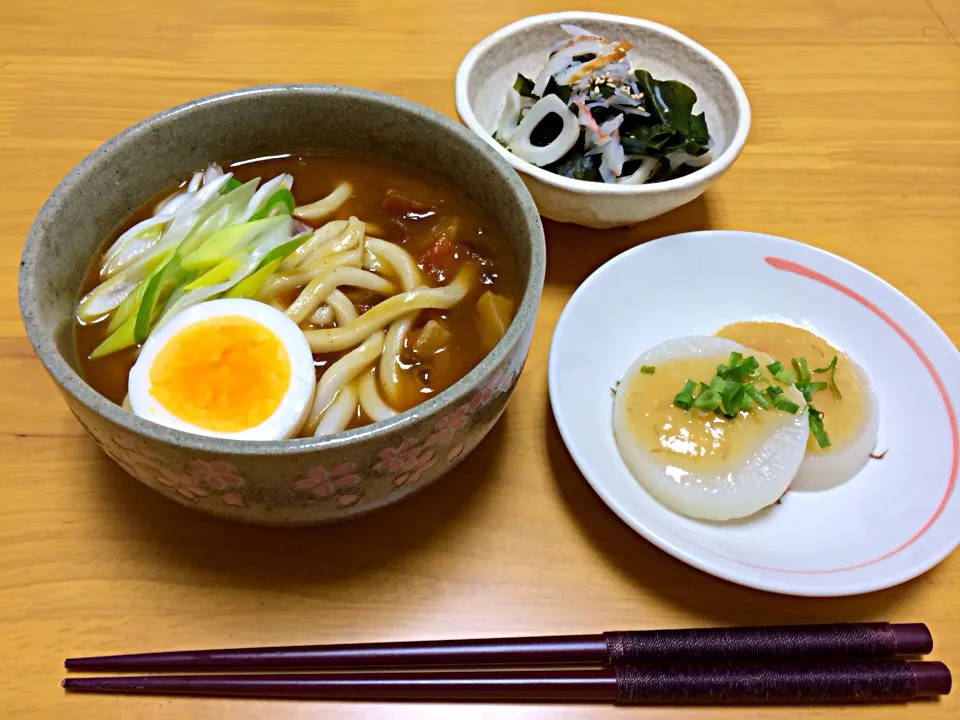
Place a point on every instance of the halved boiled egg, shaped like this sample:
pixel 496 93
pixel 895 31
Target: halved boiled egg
pixel 701 463
pixel 851 416
pixel 229 368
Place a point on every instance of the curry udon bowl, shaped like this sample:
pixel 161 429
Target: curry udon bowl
pixel 284 482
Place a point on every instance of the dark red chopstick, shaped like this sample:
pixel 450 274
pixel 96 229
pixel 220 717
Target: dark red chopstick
pixel 844 640
pixel 871 681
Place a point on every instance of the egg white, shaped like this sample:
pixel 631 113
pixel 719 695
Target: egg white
pixel 823 470
pixel 294 407
pixel 736 491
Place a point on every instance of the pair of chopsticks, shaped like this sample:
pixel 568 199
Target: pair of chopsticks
pixel 840 663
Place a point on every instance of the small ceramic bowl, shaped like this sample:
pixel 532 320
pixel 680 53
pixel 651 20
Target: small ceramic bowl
pixel 286 482
pixel 491 66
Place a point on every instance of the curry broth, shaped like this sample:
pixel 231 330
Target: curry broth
pixel 414 228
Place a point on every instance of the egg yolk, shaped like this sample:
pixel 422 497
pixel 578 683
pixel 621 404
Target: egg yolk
pixel 225 374
pixel 691 439
pixel 842 417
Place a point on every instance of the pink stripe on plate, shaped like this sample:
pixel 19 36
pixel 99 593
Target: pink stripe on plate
pixel 802 270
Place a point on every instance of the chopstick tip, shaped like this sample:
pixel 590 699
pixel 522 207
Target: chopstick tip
pixel 913 639
pixel 932 678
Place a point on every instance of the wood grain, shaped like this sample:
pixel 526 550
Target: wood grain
pixel 855 148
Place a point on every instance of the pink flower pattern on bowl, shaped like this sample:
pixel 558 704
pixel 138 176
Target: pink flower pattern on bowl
pixel 199 480
pixel 212 483
pixel 339 482
pixel 182 485
pixel 420 462
pixel 399 458
pixel 447 427
pixel 217 474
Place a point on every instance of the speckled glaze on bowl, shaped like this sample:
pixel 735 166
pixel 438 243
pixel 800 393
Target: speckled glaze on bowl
pixel 491 66
pixel 291 482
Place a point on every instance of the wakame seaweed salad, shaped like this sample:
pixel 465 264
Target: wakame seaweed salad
pixel 589 116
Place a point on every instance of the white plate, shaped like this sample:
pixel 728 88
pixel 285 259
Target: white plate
pixel 896 519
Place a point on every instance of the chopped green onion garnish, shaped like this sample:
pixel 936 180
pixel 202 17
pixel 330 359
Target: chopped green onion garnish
pixel 780 373
pixel 827 368
pixel 805 390
pixel 773 391
pixel 707 399
pixel 717 384
pixel 800 366
pixel 809 388
pixel 735 359
pixel 785 405
pixel 744 369
pixel 815 420
pixel 723 371
pixel 647 369
pixel 831 367
pixel 684 399
pixel 732 397
pixel 757 396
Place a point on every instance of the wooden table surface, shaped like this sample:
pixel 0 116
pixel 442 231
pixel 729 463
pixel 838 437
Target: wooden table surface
pixel 855 147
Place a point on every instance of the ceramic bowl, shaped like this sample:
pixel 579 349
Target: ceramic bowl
pixel 288 482
pixel 489 69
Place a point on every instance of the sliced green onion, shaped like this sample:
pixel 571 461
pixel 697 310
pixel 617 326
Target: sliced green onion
pixel 833 385
pixel 732 397
pixel 708 399
pixel 785 377
pixel 684 398
pixel 717 384
pixel 828 367
pixel 805 390
pixel 815 420
pixel 757 396
pixel 216 274
pixel 251 284
pixel 819 385
pixel 723 371
pixel 216 248
pixel 735 359
pixel 831 367
pixel 122 337
pixel 282 198
pixel 161 283
pixel 773 391
pixel 126 308
pixel 786 406
pixel 780 373
pixel 800 367
pixel 744 369
pixel 647 369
